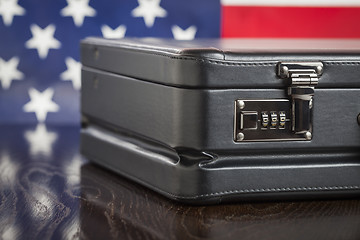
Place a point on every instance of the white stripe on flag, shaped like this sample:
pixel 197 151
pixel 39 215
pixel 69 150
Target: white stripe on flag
pixel 303 3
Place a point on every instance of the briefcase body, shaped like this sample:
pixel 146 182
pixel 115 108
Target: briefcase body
pixel 214 120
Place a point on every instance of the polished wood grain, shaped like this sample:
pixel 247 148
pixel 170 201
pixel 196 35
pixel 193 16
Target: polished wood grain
pixel 48 191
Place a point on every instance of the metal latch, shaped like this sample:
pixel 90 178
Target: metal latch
pixel 303 76
pixel 280 119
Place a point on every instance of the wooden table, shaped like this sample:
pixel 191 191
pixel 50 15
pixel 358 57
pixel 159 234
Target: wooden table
pixel 47 190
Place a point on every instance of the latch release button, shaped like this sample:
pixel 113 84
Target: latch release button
pixel 248 120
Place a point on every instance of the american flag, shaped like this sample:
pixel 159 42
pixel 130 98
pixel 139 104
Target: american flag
pixel 39 39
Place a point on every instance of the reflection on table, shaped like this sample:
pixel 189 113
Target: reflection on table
pixel 118 208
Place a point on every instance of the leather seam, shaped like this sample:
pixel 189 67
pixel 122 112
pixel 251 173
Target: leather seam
pixel 284 189
pixel 222 193
pixel 246 64
pixel 249 64
pixel 342 63
pixel 219 62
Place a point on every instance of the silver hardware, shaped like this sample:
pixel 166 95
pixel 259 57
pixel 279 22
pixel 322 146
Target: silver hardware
pixel 287 69
pixel 303 77
pixel 241 104
pixel 358 119
pixel 264 120
pixel 240 136
pixel 281 119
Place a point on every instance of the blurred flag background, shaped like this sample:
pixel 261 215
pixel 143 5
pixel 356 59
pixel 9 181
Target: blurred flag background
pixel 39 39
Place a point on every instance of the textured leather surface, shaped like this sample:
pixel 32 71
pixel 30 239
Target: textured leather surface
pixel 202 177
pixel 203 118
pixel 225 63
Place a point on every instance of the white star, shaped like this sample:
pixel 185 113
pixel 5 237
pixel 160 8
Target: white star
pixel 9 72
pixel 118 32
pixel 149 10
pixel 40 140
pixel 41 103
pixel 78 10
pixel 180 34
pixel 10 8
pixel 73 72
pixel 43 39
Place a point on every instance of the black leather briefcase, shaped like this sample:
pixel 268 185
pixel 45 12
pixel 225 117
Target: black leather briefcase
pixel 207 121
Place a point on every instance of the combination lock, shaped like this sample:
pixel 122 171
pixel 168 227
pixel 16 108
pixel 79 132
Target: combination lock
pixel 281 119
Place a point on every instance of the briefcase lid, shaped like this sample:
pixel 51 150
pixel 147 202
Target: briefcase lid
pixel 222 63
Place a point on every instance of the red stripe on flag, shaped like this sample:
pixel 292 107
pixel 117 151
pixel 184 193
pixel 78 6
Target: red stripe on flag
pixel 290 22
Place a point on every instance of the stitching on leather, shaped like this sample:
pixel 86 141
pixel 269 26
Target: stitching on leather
pixel 246 64
pixel 265 190
pixel 249 64
pixel 281 189
pixel 255 190
pixel 267 63
pixel 342 63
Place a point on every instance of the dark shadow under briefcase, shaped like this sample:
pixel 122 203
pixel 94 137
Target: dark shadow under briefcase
pixel 208 121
